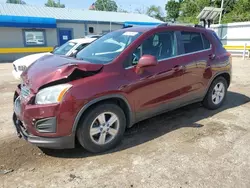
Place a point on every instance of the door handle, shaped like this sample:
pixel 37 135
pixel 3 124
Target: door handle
pixel 178 68
pixel 212 56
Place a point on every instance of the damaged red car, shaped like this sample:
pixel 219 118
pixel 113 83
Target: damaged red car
pixel 121 78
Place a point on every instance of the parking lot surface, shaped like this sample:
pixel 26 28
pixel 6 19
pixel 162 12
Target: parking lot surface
pixel 189 147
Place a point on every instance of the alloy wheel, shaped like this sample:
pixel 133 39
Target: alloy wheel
pixel 104 128
pixel 218 93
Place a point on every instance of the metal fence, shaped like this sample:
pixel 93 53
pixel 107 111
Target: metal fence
pixel 235 37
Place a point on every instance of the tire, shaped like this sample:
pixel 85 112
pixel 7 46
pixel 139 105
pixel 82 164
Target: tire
pixel 93 121
pixel 210 101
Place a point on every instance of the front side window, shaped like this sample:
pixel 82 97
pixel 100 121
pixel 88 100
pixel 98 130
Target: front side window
pixel 107 48
pixel 65 48
pixel 34 38
pixel 161 45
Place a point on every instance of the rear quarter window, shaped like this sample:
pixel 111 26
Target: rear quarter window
pixel 206 42
pixel 217 38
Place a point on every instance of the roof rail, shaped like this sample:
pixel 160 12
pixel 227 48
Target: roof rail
pixel 181 24
pixel 163 25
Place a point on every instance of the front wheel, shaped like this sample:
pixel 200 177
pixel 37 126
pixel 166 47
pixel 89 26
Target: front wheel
pixel 102 128
pixel 216 94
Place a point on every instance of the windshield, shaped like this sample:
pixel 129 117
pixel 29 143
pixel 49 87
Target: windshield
pixel 64 49
pixel 108 47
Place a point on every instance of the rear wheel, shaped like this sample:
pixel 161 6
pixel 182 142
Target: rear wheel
pixel 216 94
pixel 102 128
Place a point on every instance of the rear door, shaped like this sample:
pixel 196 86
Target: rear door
pixel 196 52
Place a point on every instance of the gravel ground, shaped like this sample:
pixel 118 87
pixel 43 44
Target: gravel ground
pixel 189 147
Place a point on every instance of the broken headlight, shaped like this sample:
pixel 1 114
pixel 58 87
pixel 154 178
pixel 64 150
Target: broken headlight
pixel 53 94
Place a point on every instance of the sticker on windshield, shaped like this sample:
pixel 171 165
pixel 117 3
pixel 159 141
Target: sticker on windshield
pixel 129 33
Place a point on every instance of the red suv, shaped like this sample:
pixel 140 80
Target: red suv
pixel 121 78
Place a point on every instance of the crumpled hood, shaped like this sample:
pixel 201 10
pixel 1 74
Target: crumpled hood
pixel 53 68
pixel 29 59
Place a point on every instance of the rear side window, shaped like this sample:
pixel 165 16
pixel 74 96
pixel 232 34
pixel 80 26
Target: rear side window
pixel 194 42
pixel 206 42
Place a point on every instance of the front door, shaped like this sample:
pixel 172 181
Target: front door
pixel 64 35
pixel 158 87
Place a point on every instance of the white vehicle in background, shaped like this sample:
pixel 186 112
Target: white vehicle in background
pixel 93 36
pixel 70 48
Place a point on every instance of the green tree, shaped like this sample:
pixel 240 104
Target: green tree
pixel 189 10
pixel 155 12
pixel 239 12
pixel 228 5
pixel 16 2
pixel 173 9
pixel 106 5
pixel 52 3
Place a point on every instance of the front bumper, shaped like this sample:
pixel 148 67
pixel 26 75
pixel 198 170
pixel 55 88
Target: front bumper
pixel 64 142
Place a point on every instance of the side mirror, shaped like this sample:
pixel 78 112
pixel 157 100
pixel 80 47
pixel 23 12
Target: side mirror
pixel 146 61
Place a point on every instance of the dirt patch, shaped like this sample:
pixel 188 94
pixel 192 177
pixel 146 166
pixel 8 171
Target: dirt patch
pixel 16 153
pixel 212 129
pixel 189 147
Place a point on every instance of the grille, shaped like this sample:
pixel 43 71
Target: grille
pixel 25 92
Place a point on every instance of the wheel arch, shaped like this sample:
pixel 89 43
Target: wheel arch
pixel 118 99
pixel 227 77
pixel 224 74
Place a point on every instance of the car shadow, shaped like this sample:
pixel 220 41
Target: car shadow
pixel 155 127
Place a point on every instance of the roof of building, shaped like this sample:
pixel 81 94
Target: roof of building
pixel 72 14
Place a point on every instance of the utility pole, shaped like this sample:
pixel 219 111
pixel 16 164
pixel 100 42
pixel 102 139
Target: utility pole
pixel 222 3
